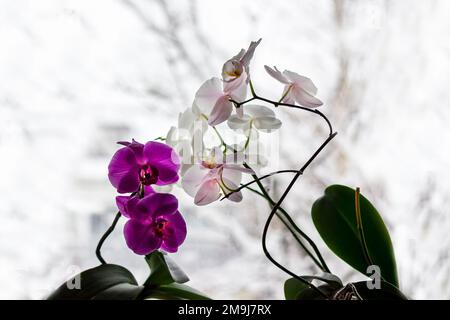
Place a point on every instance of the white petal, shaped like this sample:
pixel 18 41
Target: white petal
pixel 267 123
pixel 193 178
pixel 235 176
pixel 249 53
pixel 228 187
pixel 239 168
pixel 275 73
pixel 221 111
pixel 208 192
pixel 305 99
pixel 208 94
pixel 235 84
pixel 256 111
pixel 186 119
pixel 172 136
pixel 235 158
pixel 237 123
pixel 301 81
pixel 237 89
pixel 289 97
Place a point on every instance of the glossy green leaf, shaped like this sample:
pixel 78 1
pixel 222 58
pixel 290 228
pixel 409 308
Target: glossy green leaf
pixel 292 288
pixel 334 216
pixel 122 291
pixel 175 291
pixel 163 270
pixel 92 282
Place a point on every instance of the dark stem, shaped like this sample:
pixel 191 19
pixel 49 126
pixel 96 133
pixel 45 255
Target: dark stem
pixel 242 186
pixel 289 223
pixel 104 237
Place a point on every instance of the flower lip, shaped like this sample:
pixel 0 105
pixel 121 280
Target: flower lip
pixel 148 175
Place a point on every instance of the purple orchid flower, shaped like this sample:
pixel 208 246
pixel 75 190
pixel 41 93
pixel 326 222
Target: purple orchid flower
pixel 154 222
pixel 135 164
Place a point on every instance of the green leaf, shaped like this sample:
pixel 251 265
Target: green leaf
pixel 175 291
pixel 92 282
pixel 163 270
pixel 334 216
pixel 122 291
pixel 292 288
pixel 311 294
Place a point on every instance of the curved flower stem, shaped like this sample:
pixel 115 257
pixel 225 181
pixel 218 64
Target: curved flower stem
pixel 105 236
pixel 242 186
pixel 289 223
pixel 277 103
pixel 293 228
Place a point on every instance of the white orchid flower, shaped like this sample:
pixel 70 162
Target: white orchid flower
pixel 238 66
pixel 297 88
pixel 213 99
pixel 257 116
pixel 215 175
pixel 187 137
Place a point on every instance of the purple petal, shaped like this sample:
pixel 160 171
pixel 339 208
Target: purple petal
pixel 136 147
pixel 121 202
pixel 177 234
pixel 156 152
pixel 140 237
pixel 123 171
pixel 157 204
pixel 167 172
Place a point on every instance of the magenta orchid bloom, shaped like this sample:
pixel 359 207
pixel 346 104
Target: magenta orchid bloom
pixel 136 163
pixel 154 223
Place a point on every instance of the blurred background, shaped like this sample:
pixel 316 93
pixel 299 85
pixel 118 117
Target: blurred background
pixel 77 76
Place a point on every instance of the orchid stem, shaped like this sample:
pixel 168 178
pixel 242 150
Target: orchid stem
pixel 104 237
pixel 289 223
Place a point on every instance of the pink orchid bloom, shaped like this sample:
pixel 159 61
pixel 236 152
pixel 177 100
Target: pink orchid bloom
pixel 207 181
pixel 297 88
pixel 238 66
pixel 213 100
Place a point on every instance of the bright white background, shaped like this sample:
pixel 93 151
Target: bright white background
pixel 76 76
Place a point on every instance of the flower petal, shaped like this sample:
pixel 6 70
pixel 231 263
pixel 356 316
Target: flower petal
pixel 121 202
pixel 267 123
pixel 123 172
pixel 193 178
pixel 249 53
pixel 229 186
pixel 177 235
pixel 275 73
pixel 255 111
pixel 208 192
pixel 167 172
pixel 140 237
pixel 232 175
pixel 239 123
pixel 305 99
pixel 157 204
pixel 208 94
pixel 221 111
pixel 156 152
pixel 301 81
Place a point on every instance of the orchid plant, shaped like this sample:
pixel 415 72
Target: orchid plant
pixel 144 174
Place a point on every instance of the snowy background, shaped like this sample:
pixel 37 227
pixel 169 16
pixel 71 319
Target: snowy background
pixel 76 76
